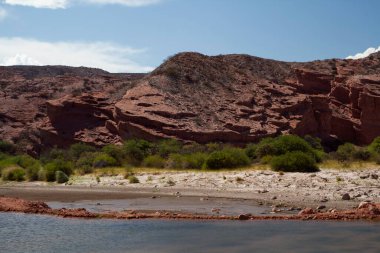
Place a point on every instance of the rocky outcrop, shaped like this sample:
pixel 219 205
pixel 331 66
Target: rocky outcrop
pixel 193 97
pixel 27 94
pixel 365 211
pixel 240 99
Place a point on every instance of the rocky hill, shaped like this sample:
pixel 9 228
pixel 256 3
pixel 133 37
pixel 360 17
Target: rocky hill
pixel 193 97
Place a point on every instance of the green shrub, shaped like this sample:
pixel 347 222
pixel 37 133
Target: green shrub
pixel 175 161
pixel 187 161
pixel 193 148
pixel 169 146
pixel 103 160
pixel 85 163
pixel 213 146
pixel 54 154
pixel 374 147
pixel 361 154
pixel 7 161
pixel 266 159
pixel 195 160
pixel 136 150
pixel 227 158
pixel 284 144
pixel 57 165
pixel 7 148
pixel 13 174
pixel 133 180
pixel 350 152
pixel 250 151
pixel 77 149
pixel 114 151
pixel 266 147
pixel 345 152
pixel 314 142
pixel 154 161
pixel 61 177
pixel 295 161
pixel 31 166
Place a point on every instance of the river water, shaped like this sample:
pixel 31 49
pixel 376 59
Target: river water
pixel 21 233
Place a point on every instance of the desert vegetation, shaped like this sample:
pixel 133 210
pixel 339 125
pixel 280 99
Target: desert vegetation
pixel 287 153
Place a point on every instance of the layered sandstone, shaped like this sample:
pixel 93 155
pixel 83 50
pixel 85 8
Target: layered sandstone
pixel 192 97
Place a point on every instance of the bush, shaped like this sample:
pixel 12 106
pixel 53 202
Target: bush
pixel 57 165
pixel 114 151
pixel 265 147
pixel 345 152
pixel 154 161
pixel 227 158
pixel 374 147
pixel 188 161
pixel 61 177
pixel 195 161
pixel 85 163
pixel 31 166
pixel 103 160
pixel 13 174
pixel 361 154
pixel 54 154
pixel 284 144
pixel 213 146
pixel 7 148
pixel 314 142
pixel 167 147
pixel 137 150
pixel 133 180
pixel 76 150
pixel 250 151
pixel 295 161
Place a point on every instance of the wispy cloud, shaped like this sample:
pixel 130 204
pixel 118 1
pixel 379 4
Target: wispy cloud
pixel 3 14
pixel 63 4
pixel 366 53
pixel 130 3
pixel 49 4
pixel 104 55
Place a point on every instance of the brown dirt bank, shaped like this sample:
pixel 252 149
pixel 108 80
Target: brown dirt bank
pixel 365 211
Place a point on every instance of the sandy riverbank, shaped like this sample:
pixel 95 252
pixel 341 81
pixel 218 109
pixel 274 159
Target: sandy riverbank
pixel 337 189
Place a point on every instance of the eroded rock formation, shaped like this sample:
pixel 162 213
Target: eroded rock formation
pixel 193 97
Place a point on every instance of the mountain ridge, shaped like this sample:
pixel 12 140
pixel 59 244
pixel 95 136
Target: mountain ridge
pixel 193 97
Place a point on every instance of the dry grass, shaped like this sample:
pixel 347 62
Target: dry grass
pixel 356 165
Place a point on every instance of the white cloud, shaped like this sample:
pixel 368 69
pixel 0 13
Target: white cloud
pixel 104 55
pixel 131 3
pixel 3 14
pixel 366 53
pixel 62 4
pixel 50 4
pixel 19 59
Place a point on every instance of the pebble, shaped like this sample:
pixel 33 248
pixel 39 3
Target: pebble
pixel 321 207
pixel 374 176
pixel 274 197
pixel 346 196
pixel 243 217
pixel 363 204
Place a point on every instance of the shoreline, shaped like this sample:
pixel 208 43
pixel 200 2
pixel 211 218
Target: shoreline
pixel 365 211
pixel 337 189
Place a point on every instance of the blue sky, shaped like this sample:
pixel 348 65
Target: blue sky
pixel 137 35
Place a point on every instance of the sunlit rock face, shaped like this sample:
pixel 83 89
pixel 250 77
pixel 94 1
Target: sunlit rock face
pixel 192 97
